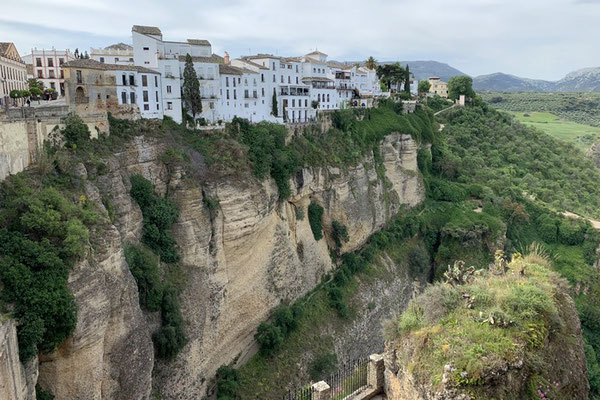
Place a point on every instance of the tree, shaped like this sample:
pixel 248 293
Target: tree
pixel 35 83
pixel 424 87
pixel 76 53
pixel 284 113
pixel 371 63
pixel 191 88
pixel 407 80
pixel 391 74
pixel 86 55
pixel 75 131
pixel 459 85
pixel 274 110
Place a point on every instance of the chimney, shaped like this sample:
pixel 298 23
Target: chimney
pixel 226 58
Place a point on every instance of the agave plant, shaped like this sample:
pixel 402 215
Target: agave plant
pixel 459 274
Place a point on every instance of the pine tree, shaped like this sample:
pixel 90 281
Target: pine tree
pixel 407 80
pixel 191 88
pixel 274 110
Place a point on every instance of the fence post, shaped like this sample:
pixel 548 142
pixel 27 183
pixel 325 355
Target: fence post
pixel 322 391
pixel 375 371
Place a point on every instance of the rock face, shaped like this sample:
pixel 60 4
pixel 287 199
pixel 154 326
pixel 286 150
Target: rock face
pixel 16 382
pixel 239 261
pixel 567 379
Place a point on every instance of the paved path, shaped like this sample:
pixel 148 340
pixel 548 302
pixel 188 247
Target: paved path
pixel 569 214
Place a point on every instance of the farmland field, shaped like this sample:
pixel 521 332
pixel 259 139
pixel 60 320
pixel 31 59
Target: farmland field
pixel 580 135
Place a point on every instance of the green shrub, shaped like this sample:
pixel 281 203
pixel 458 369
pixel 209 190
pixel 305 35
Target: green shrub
pixel 228 383
pixel 339 233
pixel 439 189
pixel 571 232
pixel 75 131
pixel 41 394
pixel 269 337
pixel 159 214
pixel 322 366
pixel 315 219
pixel 170 337
pixel 144 268
pixel 528 302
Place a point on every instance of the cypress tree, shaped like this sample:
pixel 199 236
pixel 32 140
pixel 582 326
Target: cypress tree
pixel 274 110
pixel 407 81
pixel 191 88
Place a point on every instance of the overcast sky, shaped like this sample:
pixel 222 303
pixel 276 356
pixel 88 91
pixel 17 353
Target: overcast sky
pixel 542 39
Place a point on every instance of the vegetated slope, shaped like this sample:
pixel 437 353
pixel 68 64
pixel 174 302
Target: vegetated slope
pixel 492 149
pixel 579 135
pixel 496 333
pixel 583 80
pixel 583 108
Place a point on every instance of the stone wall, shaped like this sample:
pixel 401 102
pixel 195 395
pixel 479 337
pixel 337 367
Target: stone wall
pixel 23 133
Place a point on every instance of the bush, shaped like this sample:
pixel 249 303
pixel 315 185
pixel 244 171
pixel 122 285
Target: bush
pixel 228 383
pixel 322 366
pixel 269 337
pixel 339 234
pixel 75 131
pixel 159 214
pixel 439 189
pixel 170 337
pixel 315 219
pixel 41 394
pixel 144 268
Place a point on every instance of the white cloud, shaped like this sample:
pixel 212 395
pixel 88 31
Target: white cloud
pixel 535 38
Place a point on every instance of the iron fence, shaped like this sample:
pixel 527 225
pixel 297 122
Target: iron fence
pixel 348 379
pixel 305 393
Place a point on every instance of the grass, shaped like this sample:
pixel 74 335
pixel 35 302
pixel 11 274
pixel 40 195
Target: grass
pixel 580 135
pixel 485 325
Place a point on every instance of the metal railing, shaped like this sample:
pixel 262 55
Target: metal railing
pixel 348 379
pixel 305 393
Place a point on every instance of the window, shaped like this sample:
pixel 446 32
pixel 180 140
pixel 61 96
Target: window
pixel 273 78
pixel 145 96
pixel 296 68
pixel 305 102
pixel 296 80
pixel 50 62
pixel 233 82
pixel 169 105
pixel 168 88
pixel 274 67
pixel 328 98
pixel 146 48
pixel 254 94
pixel 319 97
pixel 144 80
pixel 245 81
pixel 227 94
pixel 124 98
pixel 246 93
pixel 116 59
pixel 263 92
pixel 234 94
pixel 155 81
pixel 131 80
pixel 41 74
pixel 281 78
pixel 146 62
pixel 53 85
pixel 132 97
pixel 38 62
pixel 79 77
pixel 124 79
pixel 101 59
pixel 157 106
pixel 226 81
pixel 262 77
pixel 61 61
pixel 293 102
pixel 314 70
pixel 157 95
pixel 51 74
pixel 289 79
pixel 146 107
pixel 130 59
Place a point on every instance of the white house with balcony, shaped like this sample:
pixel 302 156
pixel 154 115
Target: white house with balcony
pixel 46 66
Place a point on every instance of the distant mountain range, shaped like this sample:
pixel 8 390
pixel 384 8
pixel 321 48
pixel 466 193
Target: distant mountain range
pixel 583 80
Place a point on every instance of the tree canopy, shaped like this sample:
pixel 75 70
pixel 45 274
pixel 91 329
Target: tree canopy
pixel 458 85
pixel 391 74
pixel 371 63
pixel 424 86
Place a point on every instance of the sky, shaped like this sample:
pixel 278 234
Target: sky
pixel 541 39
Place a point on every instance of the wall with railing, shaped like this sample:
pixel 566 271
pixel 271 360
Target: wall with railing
pixel 361 379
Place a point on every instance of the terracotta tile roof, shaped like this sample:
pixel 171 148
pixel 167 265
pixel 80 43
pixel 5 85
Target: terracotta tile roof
pixel 119 46
pixel 93 64
pixel 316 53
pixel 253 64
pixel 317 79
pixel 200 42
pixel 257 56
pixel 4 46
pixel 212 59
pixel 146 30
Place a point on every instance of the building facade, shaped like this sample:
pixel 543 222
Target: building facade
pixel 120 53
pixel 13 72
pixel 102 86
pixel 438 87
pixel 46 66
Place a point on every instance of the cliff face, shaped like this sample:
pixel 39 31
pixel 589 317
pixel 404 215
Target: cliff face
pixel 17 382
pixel 239 263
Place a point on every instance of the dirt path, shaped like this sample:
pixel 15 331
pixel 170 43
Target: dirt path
pixel 569 214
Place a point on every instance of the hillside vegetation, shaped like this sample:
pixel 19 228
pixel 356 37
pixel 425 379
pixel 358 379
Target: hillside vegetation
pixel 582 108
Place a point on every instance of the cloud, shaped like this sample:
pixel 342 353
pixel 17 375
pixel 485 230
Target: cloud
pixel 536 38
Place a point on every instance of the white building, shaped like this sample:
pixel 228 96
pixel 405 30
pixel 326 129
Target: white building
pixel 120 53
pixel 90 81
pixel 13 73
pixel 168 58
pixel 46 66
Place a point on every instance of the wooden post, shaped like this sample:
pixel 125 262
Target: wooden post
pixel 322 391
